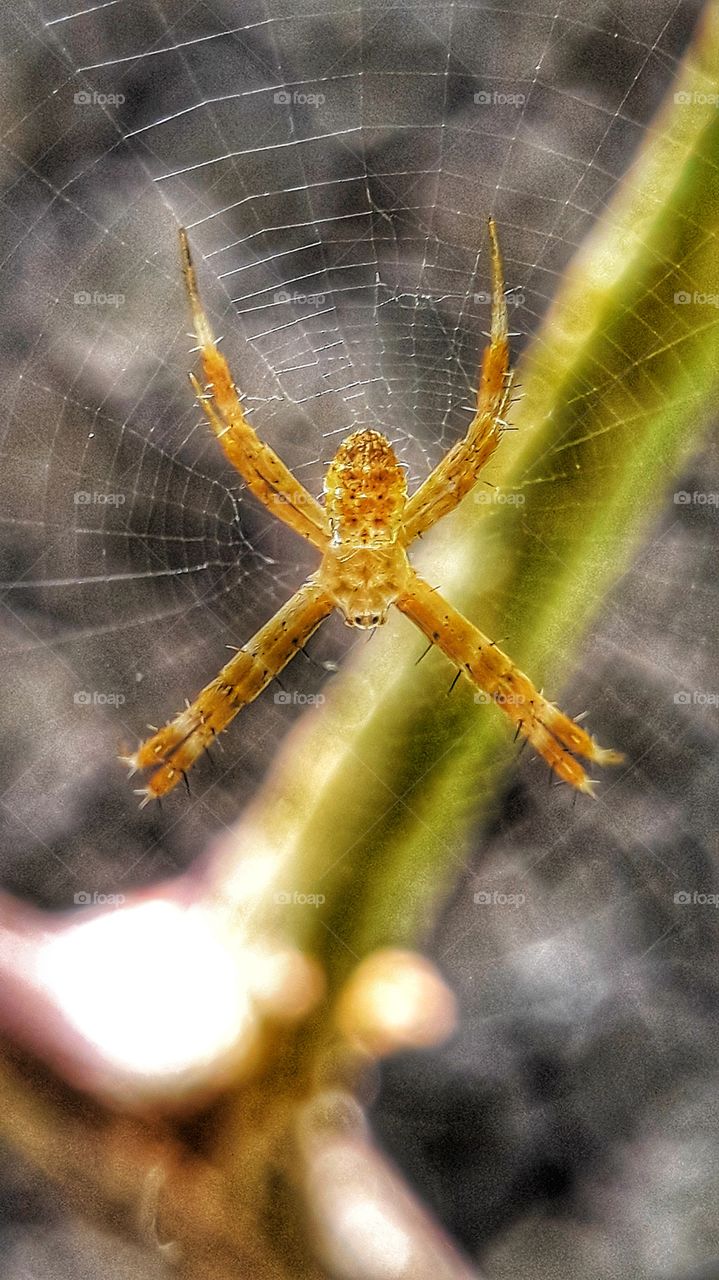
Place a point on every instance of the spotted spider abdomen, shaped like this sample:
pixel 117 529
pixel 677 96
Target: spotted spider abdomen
pixel 365 492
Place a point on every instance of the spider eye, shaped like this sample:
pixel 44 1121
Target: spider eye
pixel 366 620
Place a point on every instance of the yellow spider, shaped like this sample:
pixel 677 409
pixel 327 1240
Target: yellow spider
pixel 363 532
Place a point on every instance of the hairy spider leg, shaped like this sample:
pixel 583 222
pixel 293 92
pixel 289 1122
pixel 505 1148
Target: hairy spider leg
pixel 176 747
pixel 264 473
pixel 458 471
pixel 552 734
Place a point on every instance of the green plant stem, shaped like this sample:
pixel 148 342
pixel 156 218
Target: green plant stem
pixel 371 798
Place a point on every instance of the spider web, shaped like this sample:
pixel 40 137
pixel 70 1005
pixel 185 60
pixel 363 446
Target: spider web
pixel 335 166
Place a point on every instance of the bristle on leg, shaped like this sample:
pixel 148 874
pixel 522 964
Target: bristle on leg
pixel 131 762
pixel 147 795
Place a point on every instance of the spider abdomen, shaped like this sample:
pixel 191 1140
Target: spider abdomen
pixel 365 492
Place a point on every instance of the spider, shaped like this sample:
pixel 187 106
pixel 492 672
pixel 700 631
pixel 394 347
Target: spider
pixel 363 531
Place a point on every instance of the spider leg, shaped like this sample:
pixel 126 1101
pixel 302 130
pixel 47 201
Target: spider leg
pixel 264 473
pixel 176 747
pixel 552 734
pixel 459 470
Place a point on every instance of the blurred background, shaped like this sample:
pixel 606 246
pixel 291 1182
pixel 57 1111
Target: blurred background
pixel 335 165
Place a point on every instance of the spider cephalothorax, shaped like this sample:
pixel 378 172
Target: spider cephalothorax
pixel 363 532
